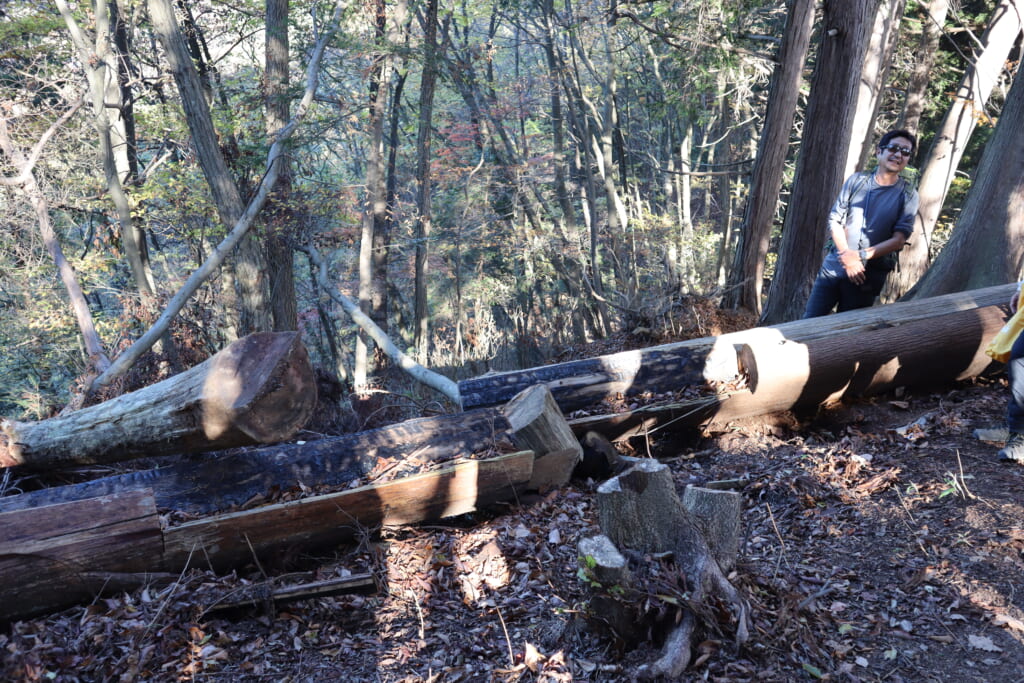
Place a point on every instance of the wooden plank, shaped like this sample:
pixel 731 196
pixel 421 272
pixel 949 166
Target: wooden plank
pixel 669 367
pixel 57 555
pixel 207 485
pixel 230 540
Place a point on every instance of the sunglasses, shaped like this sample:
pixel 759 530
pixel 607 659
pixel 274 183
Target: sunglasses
pixel 905 151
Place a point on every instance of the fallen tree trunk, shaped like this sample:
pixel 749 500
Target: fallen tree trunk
pixel 784 374
pixel 63 554
pixel 260 389
pixel 216 484
pixel 59 555
pixel 670 367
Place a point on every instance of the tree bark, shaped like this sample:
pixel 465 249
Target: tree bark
pixel 280 220
pixel 826 141
pixel 747 275
pixel 874 75
pixel 987 245
pixel 951 139
pixel 226 196
pixel 422 228
pixel 260 389
pixel 671 367
pixel 933 18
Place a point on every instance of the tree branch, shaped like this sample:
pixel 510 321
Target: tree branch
pixel 219 254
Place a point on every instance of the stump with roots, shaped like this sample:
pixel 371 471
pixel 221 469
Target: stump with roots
pixel 645 524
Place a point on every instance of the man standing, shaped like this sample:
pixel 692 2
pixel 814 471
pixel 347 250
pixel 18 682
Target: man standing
pixel 869 223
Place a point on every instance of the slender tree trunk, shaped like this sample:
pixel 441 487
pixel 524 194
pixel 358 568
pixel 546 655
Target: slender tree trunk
pixel 376 200
pixel 423 179
pixel 951 139
pixel 987 245
pixel 933 18
pixel 819 171
pixel 280 222
pixel 80 307
pixel 874 75
pixel 249 272
pixel 747 275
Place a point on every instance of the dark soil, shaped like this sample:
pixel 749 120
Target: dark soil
pixel 882 542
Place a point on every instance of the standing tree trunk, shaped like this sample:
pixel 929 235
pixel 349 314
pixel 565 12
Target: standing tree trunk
pixel 423 184
pixel 223 189
pixel 819 171
pixel 950 141
pixel 874 75
pixel 26 179
pixel 747 274
pixel 280 270
pixel 987 246
pixel 932 20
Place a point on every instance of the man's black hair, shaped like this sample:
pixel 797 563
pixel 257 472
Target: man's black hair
pixel 887 138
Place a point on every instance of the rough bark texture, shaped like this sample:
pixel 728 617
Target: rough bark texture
pixel 819 171
pixel 260 389
pixel 640 510
pixel 987 245
pixel 211 485
pixel 747 275
pixel 670 367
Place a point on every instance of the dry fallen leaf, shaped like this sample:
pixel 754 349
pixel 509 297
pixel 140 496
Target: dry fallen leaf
pixel 1007 620
pixel 983 643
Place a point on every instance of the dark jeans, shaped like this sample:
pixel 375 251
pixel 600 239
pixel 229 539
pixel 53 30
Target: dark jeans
pixel 1015 368
pixel 831 289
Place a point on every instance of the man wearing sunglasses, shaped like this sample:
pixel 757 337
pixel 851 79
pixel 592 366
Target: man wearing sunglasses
pixel 869 223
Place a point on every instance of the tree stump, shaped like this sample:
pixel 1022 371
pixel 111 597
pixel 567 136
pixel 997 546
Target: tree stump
pixel 644 518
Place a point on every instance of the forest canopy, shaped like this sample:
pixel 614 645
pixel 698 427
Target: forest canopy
pixel 491 183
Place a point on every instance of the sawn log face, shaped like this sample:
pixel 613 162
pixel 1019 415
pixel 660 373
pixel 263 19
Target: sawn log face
pixel 260 389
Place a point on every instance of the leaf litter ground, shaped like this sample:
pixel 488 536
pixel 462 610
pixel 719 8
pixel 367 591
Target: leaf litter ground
pixel 882 542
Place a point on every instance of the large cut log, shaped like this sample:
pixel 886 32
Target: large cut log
pixel 670 367
pixel 784 374
pixel 264 533
pixel 205 485
pixel 58 555
pixel 260 389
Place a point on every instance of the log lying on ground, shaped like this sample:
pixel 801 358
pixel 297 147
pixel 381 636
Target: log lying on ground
pixel 537 424
pixel 59 555
pixel 670 367
pixel 786 374
pixel 260 389
pixel 207 484
pixel 63 554
pixel 641 514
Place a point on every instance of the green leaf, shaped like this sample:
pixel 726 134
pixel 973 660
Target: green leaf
pixel 812 670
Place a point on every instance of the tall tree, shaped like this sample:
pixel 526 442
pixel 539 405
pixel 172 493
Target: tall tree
pixel 965 109
pixel 826 140
pixel 747 275
pixel 424 214
pixel 874 75
pixel 279 221
pixel 933 18
pixel 987 245
pixel 224 190
pixel 24 164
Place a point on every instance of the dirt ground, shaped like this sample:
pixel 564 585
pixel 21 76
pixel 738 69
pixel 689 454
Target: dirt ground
pixel 882 541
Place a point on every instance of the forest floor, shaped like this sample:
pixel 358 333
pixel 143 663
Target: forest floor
pixel 882 541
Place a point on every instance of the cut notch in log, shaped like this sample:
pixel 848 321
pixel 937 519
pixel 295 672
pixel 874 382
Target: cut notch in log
pixel 260 389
